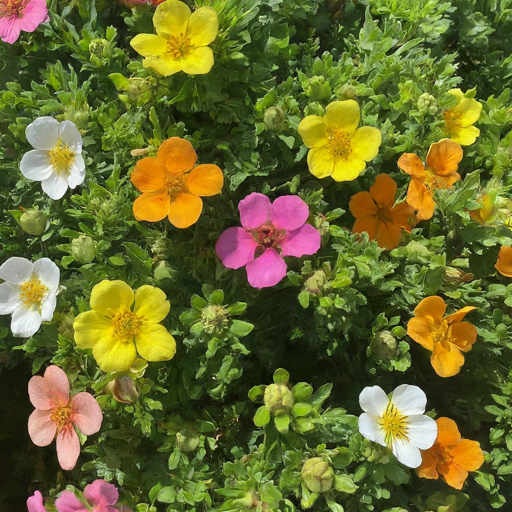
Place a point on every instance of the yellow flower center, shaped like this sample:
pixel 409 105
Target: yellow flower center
pixel 340 144
pixel 61 416
pixel 61 158
pixel 394 424
pixel 175 185
pixel 451 118
pixel 433 181
pixel 126 325
pixel 179 46
pixel 12 8
pixel 441 332
pixel 33 292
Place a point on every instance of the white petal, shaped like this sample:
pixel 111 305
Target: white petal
pixel 48 307
pixel 422 431
pixel 48 272
pixel 373 400
pixel 370 429
pixel 43 133
pixel 406 453
pixel 25 321
pixel 55 186
pixel 9 298
pixel 69 134
pixel 16 270
pixel 409 400
pixel 77 171
pixel 35 165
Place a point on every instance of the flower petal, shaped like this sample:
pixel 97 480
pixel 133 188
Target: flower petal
pixel 468 107
pixel 465 136
pixel 41 428
pixel 25 321
pixel 90 328
pixel 114 355
pixel 368 224
pixel 177 155
pixel 387 235
pixel 444 157
pixel 149 175
pixel 421 431
pixel 151 303
pixel 313 131
pixel 254 210
pixel 503 265
pixel 86 413
pixel 205 180
pixel 108 297
pixel 463 335
pixel 155 343
pixel 68 502
pixel 9 30
pixel 49 391
pixel 370 428
pixel 76 171
pixel 432 309
pixel 406 453
pixel 347 170
pixel 446 359
pixel 374 401
pixel 420 198
pixel 454 475
pixel 55 186
pixel 9 298
pixel 149 45
pixel 289 212
pixel 383 191
pixel 342 115
pixel 428 468
pixel 34 13
pixel 321 161
pixel 403 216
pixel 468 455
pixel 43 133
pixel 151 206
pixel 69 134
pixel 48 272
pixel 300 242
pixel 185 210
pixel 35 165
pixel 35 502
pixel 267 270
pixel 235 247
pixel 362 205
pixel 447 432
pixel 365 143
pixel 171 18
pixel 203 26
pixel 68 448
pixel 421 332
pixel 164 64
pixel 411 164
pixel 410 400
pixel 198 61
pixel 16 270
pixel 100 494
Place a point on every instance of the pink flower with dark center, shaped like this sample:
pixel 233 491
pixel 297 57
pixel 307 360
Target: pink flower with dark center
pixel 35 503
pixel 57 414
pixel 18 15
pixel 270 232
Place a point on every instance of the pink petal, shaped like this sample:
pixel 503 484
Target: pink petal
pixel 68 502
pixel 254 210
pixel 49 391
pixel 101 493
pixel 87 415
pixel 289 212
pixel 35 503
pixel 267 270
pixel 68 448
pixel 9 29
pixel 34 14
pixel 235 247
pixel 41 428
pixel 305 240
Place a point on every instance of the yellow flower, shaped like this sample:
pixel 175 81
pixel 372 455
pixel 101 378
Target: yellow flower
pixel 182 40
pixel 338 148
pixel 460 118
pixel 115 333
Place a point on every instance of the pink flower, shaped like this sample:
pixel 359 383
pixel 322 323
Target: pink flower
pixel 56 413
pixel 270 232
pixel 100 495
pixel 18 15
pixel 35 503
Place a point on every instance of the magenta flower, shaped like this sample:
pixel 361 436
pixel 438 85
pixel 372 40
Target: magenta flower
pixel 57 414
pixel 18 15
pixel 270 232
pixel 35 503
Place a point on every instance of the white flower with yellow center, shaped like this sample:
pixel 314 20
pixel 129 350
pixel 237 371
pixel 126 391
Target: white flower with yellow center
pixel 398 422
pixel 56 160
pixel 29 293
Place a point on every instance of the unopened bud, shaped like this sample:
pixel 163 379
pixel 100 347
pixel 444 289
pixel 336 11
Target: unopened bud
pixel 33 221
pixel 427 103
pixel 124 390
pixel 317 88
pixel 317 475
pixel 384 345
pixel 346 92
pixel 315 282
pixel 273 118
pixel 278 399
pixel 83 249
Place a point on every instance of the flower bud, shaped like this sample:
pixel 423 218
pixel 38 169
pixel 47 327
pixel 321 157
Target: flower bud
pixel 317 475
pixel 124 390
pixel 100 48
pixel 315 283
pixel 317 88
pixel 273 118
pixel 278 399
pixel 214 319
pixel 427 103
pixel 33 221
pixel 346 92
pixel 83 249
pixel 384 345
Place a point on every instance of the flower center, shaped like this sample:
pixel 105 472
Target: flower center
pixel 175 185
pixel 340 143
pixel 384 215
pixel 441 332
pixel 12 8
pixel 451 118
pixel 394 424
pixel 33 291
pixel 61 158
pixel 61 416
pixel 126 325
pixel 433 181
pixel 268 236
pixel 178 46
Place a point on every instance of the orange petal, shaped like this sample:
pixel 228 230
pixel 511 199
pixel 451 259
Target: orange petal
pixel 447 432
pixel 148 175
pixel 383 191
pixel 205 180
pixel 177 155
pixel 387 235
pixel 411 164
pixel 468 455
pixel 459 315
pixel 403 216
pixel 185 210
pixel 450 179
pixel 446 359
pixel 419 197
pixel 368 224
pixel 504 263
pixel 463 335
pixel 428 468
pixel 420 331
pixel 431 308
pixel 454 475
pixel 151 206
pixel 444 157
pixel 362 205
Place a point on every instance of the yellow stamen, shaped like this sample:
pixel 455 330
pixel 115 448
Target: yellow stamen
pixel 394 424
pixel 441 332
pixel 175 185
pixel 451 118
pixel 12 8
pixel 61 158
pixel 179 46
pixel 126 325
pixel 340 144
pixel 33 292
pixel 433 181
pixel 61 416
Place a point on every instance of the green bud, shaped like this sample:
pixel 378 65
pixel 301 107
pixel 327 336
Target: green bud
pixel 187 442
pixel 317 88
pixel 314 109
pixel 346 92
pixel 427 103
pixel 384 345
pixel 273 118
pixel 317 475
pixel 278 399
pixel 315 283
pixel 33 221
pixel 214 319
pixel 83 249
pixel 124 390
pixel 100 48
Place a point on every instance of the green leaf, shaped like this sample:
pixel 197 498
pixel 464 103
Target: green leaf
pixel 320 396
pixel 281 376
pixel 270 494
pixel 301 409
pixel 174 460
pixel 198 302
pixel 262 416
pixel 240 328
pixel 344 483
pixel 237 308
pixel 217 297
pixel 282 423
pixel 302 391
pixel 257 392
pixel 117 260
pixel 166 494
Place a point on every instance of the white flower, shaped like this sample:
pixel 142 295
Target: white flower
pixel 29 293
pixel 398 422
pixel 56 160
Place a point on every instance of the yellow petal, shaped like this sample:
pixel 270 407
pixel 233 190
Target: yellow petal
pixel 203 26
pixel 348 170
pixel 198 61
pixel 148 45
pixel 165 65
pixel 171 18
pixel 469 110
pixel 108 297
pixel 154 343
pixel 114 355
pixel 457 93
pixel 365 143
pixel 343 115
pixel 446 359
pixel 151 304
pixel 466 136
pixel 90 328
pixel 321 162
pixel 313 131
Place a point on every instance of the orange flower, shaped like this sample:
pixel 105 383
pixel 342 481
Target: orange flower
pixel 167 190
pixel 444 337
pixel 450 456
pixel 441 172
pixel 504 263
pixel 375 214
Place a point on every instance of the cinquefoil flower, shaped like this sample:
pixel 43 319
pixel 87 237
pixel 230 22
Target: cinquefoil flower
pixel 460 118
pixel 115 333
pixel 35 503
pixel 504 263
pixel 182 40
pixel 398 422
pixel 29 293
pixel 18 15
pixel 56 160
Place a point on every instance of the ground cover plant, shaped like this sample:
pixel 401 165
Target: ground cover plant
pixel 255 255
